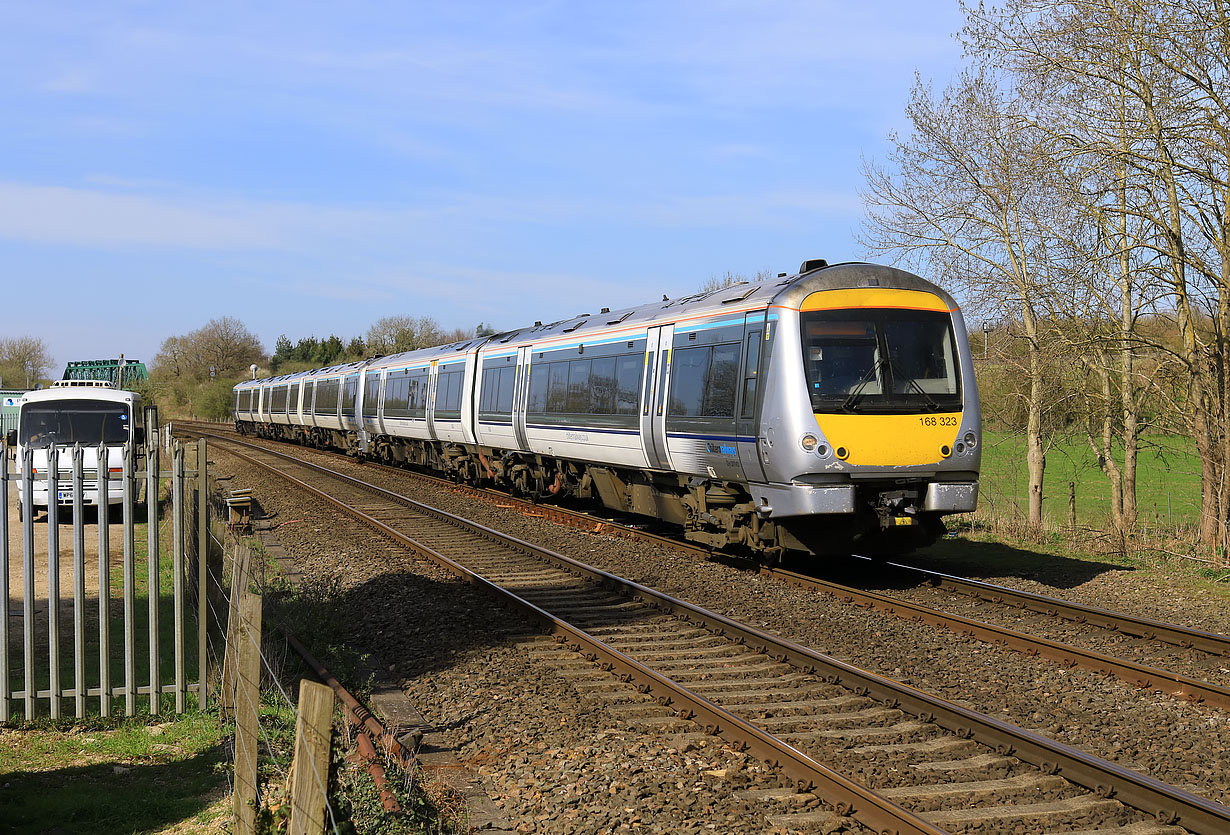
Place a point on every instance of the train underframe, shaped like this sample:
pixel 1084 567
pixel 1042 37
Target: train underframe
pixel 719 514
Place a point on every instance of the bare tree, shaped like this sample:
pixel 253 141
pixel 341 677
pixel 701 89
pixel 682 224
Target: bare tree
pixel 394 334
pixel 24 359
pixel 224 346
pixel 964 199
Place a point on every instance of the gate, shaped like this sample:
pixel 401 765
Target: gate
pixel 80 634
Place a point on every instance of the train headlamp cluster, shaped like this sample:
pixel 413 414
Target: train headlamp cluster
pixel 810 443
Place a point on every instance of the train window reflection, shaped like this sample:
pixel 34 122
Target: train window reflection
pixel 880 361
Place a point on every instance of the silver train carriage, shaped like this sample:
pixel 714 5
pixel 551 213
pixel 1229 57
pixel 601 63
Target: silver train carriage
pixel 832 410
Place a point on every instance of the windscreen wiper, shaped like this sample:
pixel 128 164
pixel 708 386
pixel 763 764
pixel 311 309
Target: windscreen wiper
pixel 856 393
pixel 910 381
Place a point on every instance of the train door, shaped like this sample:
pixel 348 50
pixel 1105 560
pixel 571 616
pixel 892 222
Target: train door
pixel 747 411
pixel 653 396
pixel 433 375
pixel 521 388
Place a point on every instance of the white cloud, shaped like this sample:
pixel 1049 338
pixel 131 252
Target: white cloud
pixel 80 217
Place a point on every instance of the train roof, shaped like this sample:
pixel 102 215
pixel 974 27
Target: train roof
pixel 787 290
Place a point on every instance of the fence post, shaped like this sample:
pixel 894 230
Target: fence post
pixel 239 586
pixel 4 582
pixel 202 568
pixel 247 711
pixel 177 571
pixel 78 481
pixel 5 551
pixel 130 579
pixel 53 576
pixel 152 584
pixel 104 580
pixel 310 766
pixel 27 562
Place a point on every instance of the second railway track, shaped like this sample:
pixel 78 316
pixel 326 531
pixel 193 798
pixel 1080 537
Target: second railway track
pixel 951 766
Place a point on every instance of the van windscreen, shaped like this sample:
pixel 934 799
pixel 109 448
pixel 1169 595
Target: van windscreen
pixel 87 422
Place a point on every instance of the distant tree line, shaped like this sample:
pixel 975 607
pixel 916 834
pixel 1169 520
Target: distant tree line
pixel 194 373
pixel 1072 186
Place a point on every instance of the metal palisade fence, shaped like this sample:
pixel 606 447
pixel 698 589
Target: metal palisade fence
pixel 126 624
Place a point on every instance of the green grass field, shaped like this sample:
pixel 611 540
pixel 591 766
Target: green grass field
pixel 1167 481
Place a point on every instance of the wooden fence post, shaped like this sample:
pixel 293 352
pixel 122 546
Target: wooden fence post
pixel 239 586
pixel 310 767
pixel 247 711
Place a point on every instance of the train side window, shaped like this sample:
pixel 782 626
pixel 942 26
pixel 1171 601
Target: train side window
pixel 397 394
pixel 504 398
pixel 751 370
pixel 602 386
pixel 578 387
pixel 704 380
pixel 539 380
pixel 371 393
pixel 648 382
pixel 721 382
pixel 350 393
pixel 497 390
pixel 690 367
pixel 557 387
pixel 627 382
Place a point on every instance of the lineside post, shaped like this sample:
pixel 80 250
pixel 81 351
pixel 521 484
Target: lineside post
pixel 202 568
pixel 310 766
pixel 247 712
pixel 239 585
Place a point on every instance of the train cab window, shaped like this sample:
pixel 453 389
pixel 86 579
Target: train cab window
pixel 880 361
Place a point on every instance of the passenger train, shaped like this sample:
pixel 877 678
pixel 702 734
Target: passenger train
pixel 827 411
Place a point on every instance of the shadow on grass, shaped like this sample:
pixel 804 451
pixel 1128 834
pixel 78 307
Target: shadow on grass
pixel 989 560
pixel 969 558
pixel 85 800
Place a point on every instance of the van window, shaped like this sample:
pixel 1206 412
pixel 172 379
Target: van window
pixel 88 422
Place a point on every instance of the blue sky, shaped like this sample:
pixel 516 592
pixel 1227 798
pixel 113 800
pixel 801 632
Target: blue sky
pixel 309 168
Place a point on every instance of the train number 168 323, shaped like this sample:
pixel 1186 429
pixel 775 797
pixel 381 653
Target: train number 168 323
pixel 938 421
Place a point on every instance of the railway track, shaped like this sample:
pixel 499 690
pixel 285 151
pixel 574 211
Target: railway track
pixel 1060 633
pixel 935 766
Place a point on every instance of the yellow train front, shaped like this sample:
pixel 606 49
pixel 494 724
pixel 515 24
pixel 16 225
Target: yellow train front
pixel 870 430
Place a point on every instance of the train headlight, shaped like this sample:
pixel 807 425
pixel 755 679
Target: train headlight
pixel 971 440
pixel 945 451
pixel 809 442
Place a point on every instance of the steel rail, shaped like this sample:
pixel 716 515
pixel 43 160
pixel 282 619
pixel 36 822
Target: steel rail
pixel 1167 804
pixel 1181 636
pixel 846 796
pixel 1140 675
